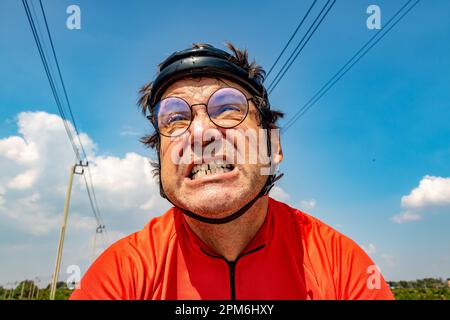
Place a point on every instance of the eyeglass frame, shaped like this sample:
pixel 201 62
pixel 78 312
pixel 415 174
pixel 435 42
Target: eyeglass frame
pixel 150 117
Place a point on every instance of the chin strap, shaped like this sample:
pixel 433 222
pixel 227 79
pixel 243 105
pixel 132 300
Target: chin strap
pixel 226 219
pixel 265 190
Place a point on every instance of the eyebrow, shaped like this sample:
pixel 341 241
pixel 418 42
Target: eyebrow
pixel 219 81
pixel 184 96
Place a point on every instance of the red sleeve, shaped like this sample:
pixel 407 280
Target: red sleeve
pixel 357 275
pixel 113 275
pixel 342 269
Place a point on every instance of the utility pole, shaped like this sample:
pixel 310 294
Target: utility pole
pixel 94 238
pixel 13 290
pixel 63 227
pixel 6 291
pixel 37 291
pixel 21 292
pixel 30 295
pixel 98 230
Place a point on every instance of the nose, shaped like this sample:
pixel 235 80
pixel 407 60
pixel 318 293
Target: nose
pixel 202 129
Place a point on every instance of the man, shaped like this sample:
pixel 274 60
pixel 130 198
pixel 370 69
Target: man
pixel 224 237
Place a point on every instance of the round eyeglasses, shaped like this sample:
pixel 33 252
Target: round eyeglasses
pixel 226 108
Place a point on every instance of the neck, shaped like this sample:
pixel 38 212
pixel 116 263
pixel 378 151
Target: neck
pixel 230 239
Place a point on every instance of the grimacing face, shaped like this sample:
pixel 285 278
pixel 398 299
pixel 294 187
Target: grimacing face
pixel 216 195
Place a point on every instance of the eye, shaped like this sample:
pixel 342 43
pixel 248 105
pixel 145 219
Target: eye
pixel 174 117
pixel 230 107
pixel 227 107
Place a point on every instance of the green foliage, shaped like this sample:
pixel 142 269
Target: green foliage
pixel 419 284
pixel 27 290
pixel 423 289
pixel 421 293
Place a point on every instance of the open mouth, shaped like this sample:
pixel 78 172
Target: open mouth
pixel 209 169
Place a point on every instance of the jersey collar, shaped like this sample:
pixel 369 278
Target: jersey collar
pixel 261 239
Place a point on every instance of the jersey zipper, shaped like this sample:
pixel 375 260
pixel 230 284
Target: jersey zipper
pixel 232 268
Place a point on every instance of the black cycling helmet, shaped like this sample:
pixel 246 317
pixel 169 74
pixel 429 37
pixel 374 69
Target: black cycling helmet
pixel 202 61
pixel 207 61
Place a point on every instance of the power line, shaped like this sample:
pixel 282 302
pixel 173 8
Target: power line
pixel 336 77
pixel 102 223
pixel 301 45
pixel 42 37
pixel 93 204
pixel 90 201
pixel 49 77
pixel 62 80
pixel 350 64
pixel 292 37
pixel 90 185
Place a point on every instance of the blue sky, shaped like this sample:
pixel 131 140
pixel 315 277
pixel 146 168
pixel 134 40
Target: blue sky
pixel 369 142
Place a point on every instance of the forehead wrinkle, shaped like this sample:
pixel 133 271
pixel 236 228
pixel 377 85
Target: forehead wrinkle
pixel 198 90
pixel 194 90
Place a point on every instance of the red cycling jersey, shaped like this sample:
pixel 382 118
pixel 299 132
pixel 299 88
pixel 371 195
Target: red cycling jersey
pixel 292 256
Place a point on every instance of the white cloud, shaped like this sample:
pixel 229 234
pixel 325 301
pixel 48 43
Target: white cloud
pixel 34 172
pixel 2 199
pixel 370 249
pixel 388 259
pixel 127 185
pixel 82 222
pixel 24 180
pixel 39 160
pixel 128 131
pixel 406 216
pixel 17 149
pixel 308 204
pixel 433 193
pixel 279 194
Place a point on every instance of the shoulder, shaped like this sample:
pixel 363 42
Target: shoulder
pixel 146 247
pixel 312 230
pixel 156 234
pixel 337 262
pixel 153 235
pixel 121 271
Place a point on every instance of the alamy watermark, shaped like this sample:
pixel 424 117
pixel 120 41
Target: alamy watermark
pixel 249 146
pixel 374 278
pixel 374 20
pixel 74 278
pixel 74 19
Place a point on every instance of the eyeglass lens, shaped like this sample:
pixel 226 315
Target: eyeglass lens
pixel 227 108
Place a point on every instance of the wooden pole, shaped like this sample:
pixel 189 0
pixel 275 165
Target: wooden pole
pixel 62 235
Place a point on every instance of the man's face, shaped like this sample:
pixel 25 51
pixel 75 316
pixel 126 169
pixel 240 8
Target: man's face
pixel 221 191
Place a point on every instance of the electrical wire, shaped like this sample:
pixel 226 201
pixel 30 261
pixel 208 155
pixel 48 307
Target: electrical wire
pixel 350 63
pixel 50 79
pixel 62 80
pixel 292 37
pixel 47 67
pixel 301 45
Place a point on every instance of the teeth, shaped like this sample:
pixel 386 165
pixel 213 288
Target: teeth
pixel 204 169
